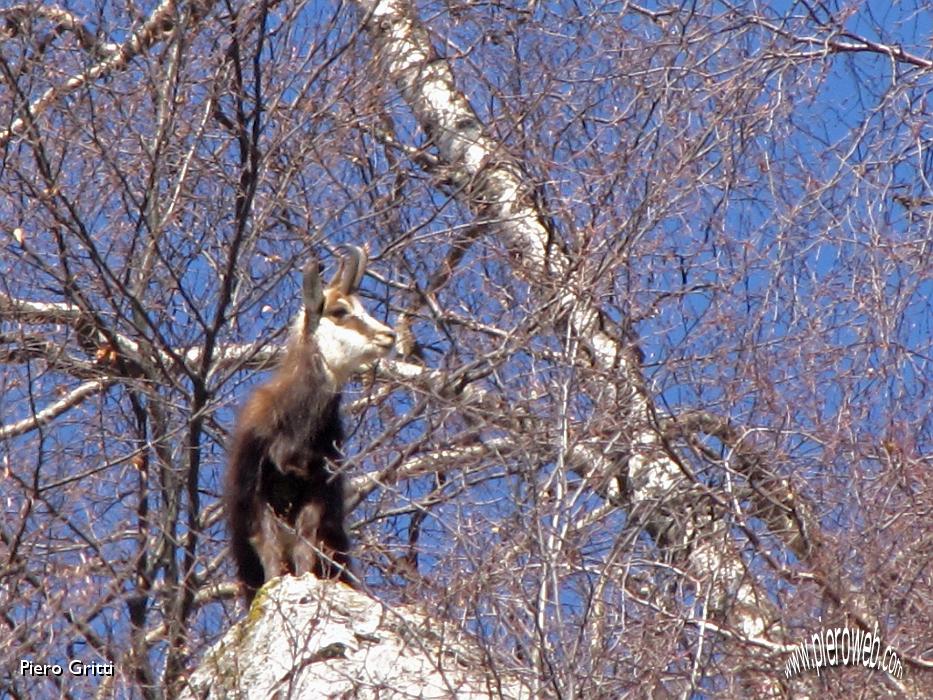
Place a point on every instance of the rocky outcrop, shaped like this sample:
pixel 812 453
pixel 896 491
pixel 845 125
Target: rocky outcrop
pixel 306 638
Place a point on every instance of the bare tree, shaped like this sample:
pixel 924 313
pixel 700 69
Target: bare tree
pixel 661 406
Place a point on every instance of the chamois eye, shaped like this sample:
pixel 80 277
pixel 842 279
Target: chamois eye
pixel 339 312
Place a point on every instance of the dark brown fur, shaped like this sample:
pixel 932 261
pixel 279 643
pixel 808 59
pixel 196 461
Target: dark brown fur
pixel 284 497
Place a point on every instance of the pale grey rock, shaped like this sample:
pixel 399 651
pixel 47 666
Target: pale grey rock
pixel 305 638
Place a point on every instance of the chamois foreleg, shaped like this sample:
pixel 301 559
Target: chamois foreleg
pixel 275 542
pixel 306 553
pixel 323 545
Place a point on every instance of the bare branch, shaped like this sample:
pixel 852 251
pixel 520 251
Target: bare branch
pixel 19 15
pixel 47 414
pixel 161 22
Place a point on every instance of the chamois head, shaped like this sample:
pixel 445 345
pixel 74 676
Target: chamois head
pixel 347 337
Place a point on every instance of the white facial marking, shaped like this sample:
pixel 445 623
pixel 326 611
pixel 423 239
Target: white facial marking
pixel 343 347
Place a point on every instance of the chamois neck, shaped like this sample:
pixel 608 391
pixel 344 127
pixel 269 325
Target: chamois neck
pixel 331 374
pixel 305 365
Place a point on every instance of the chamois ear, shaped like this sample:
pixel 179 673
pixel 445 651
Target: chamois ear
pixel 313 294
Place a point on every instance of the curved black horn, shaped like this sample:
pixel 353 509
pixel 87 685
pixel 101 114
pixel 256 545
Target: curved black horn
pixel 362 261
pixel 352 267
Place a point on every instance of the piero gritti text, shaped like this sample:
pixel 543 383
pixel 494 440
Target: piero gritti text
pixel 75 667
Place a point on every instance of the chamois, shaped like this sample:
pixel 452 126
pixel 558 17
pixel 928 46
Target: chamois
pixel 284 491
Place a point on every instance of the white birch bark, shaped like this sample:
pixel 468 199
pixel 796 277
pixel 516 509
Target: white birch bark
pixel 494 186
